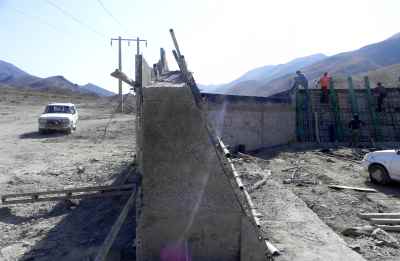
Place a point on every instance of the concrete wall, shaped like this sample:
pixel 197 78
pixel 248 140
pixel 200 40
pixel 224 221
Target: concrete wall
pixel 188 206
pixel 252 121
pixel 189 210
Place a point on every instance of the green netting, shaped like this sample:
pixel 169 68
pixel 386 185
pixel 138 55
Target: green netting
pixel 304 117
pixel 336 111
pixel 352 97
pixel 371 109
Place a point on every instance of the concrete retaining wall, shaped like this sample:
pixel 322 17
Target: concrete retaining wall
pixel 188 208
pixel 252 121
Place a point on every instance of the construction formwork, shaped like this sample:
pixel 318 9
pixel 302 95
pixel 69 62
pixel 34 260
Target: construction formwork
pixel 330 120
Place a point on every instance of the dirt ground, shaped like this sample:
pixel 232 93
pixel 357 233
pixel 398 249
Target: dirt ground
pixel 97 153
pixel 312 170
pixel 102 149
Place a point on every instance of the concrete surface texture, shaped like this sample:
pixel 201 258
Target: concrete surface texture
pixel 255 123
pixel 189 209
pixel 293 227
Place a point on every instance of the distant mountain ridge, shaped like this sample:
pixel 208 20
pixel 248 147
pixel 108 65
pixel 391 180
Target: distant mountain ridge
pixel 372 57
pixel 12 76
pixel 261 75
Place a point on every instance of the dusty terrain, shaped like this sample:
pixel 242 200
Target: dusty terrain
pixel 313 171
pixel 102 149
pixel 97 153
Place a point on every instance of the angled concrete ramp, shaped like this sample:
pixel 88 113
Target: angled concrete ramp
pixel 189 207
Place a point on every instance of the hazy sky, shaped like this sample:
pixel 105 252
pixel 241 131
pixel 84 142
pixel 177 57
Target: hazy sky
pixel 221 39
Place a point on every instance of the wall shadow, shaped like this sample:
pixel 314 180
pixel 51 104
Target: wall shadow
pixel 79 235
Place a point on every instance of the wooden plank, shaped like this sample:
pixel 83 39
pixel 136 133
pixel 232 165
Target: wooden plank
pixel 65 191
pixel 352 188
pixel 389 228
pixel 57 198
pixel 112 235
pixel 385 221
pixel 378 215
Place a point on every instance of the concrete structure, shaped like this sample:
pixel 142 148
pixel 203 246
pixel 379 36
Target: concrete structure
pixel 255 122
pixel 188 209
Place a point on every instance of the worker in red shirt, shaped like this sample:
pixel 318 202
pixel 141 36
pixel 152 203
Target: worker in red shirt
pixel 324 82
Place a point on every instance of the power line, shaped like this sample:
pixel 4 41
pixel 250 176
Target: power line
pixel 37 18
pixel 66 13
pixel 110 14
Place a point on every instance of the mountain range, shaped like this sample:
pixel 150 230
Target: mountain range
pixel 383 57
pixel 12 76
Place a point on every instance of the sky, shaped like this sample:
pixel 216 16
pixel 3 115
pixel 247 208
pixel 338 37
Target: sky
pixel 221 39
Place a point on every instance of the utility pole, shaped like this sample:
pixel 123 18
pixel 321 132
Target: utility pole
pixel 119 39
pixel 120 69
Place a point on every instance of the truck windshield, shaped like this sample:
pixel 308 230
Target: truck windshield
pixel 58 109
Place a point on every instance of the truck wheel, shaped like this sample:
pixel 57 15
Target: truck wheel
pixel 379 175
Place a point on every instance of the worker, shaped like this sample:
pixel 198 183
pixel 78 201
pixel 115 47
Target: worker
pixel 355 126
pixel 324 83
pixel 381 91
pixel 301 80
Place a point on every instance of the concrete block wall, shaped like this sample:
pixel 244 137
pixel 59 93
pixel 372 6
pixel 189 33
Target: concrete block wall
pixel 251 121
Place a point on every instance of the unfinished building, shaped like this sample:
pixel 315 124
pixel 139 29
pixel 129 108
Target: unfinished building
pixel 193 204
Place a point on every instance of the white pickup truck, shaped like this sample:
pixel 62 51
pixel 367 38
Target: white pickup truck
pixel 382 166
pixel 58 116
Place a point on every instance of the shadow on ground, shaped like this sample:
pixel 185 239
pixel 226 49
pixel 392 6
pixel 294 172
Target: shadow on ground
pixel 79 235
pixel 37 135
pixel 392 189
pixel 6 215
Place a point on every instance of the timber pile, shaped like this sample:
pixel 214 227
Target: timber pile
pixel 385 221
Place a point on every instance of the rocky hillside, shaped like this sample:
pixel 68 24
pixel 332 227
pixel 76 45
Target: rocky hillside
pixel 382 57
pixel 12 76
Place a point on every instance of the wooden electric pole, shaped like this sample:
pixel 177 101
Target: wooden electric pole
pixel 119 39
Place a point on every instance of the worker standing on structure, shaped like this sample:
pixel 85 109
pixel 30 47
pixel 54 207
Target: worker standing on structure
pixel 324 83
pixel 301 80
pixel 355 125
pixel 382 93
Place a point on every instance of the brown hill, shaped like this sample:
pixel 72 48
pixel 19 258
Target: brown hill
pixel 377 57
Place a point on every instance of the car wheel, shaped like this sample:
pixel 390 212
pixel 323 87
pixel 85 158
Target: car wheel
pixel 379 175
pixel 42 131
pixel 69 131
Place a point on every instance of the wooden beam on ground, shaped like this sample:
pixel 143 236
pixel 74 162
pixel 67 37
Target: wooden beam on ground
pixel 385 221
pixel 378 215
pixel 112 235
pixel 389 228
pixel 352 188
pixel 56 195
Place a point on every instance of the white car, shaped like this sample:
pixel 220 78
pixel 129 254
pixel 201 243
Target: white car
pixel 58 116
pixel 382 166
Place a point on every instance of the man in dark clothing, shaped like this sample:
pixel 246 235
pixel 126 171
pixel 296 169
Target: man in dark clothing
pixel 381 91
pixel 355 125
pixel 301 80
